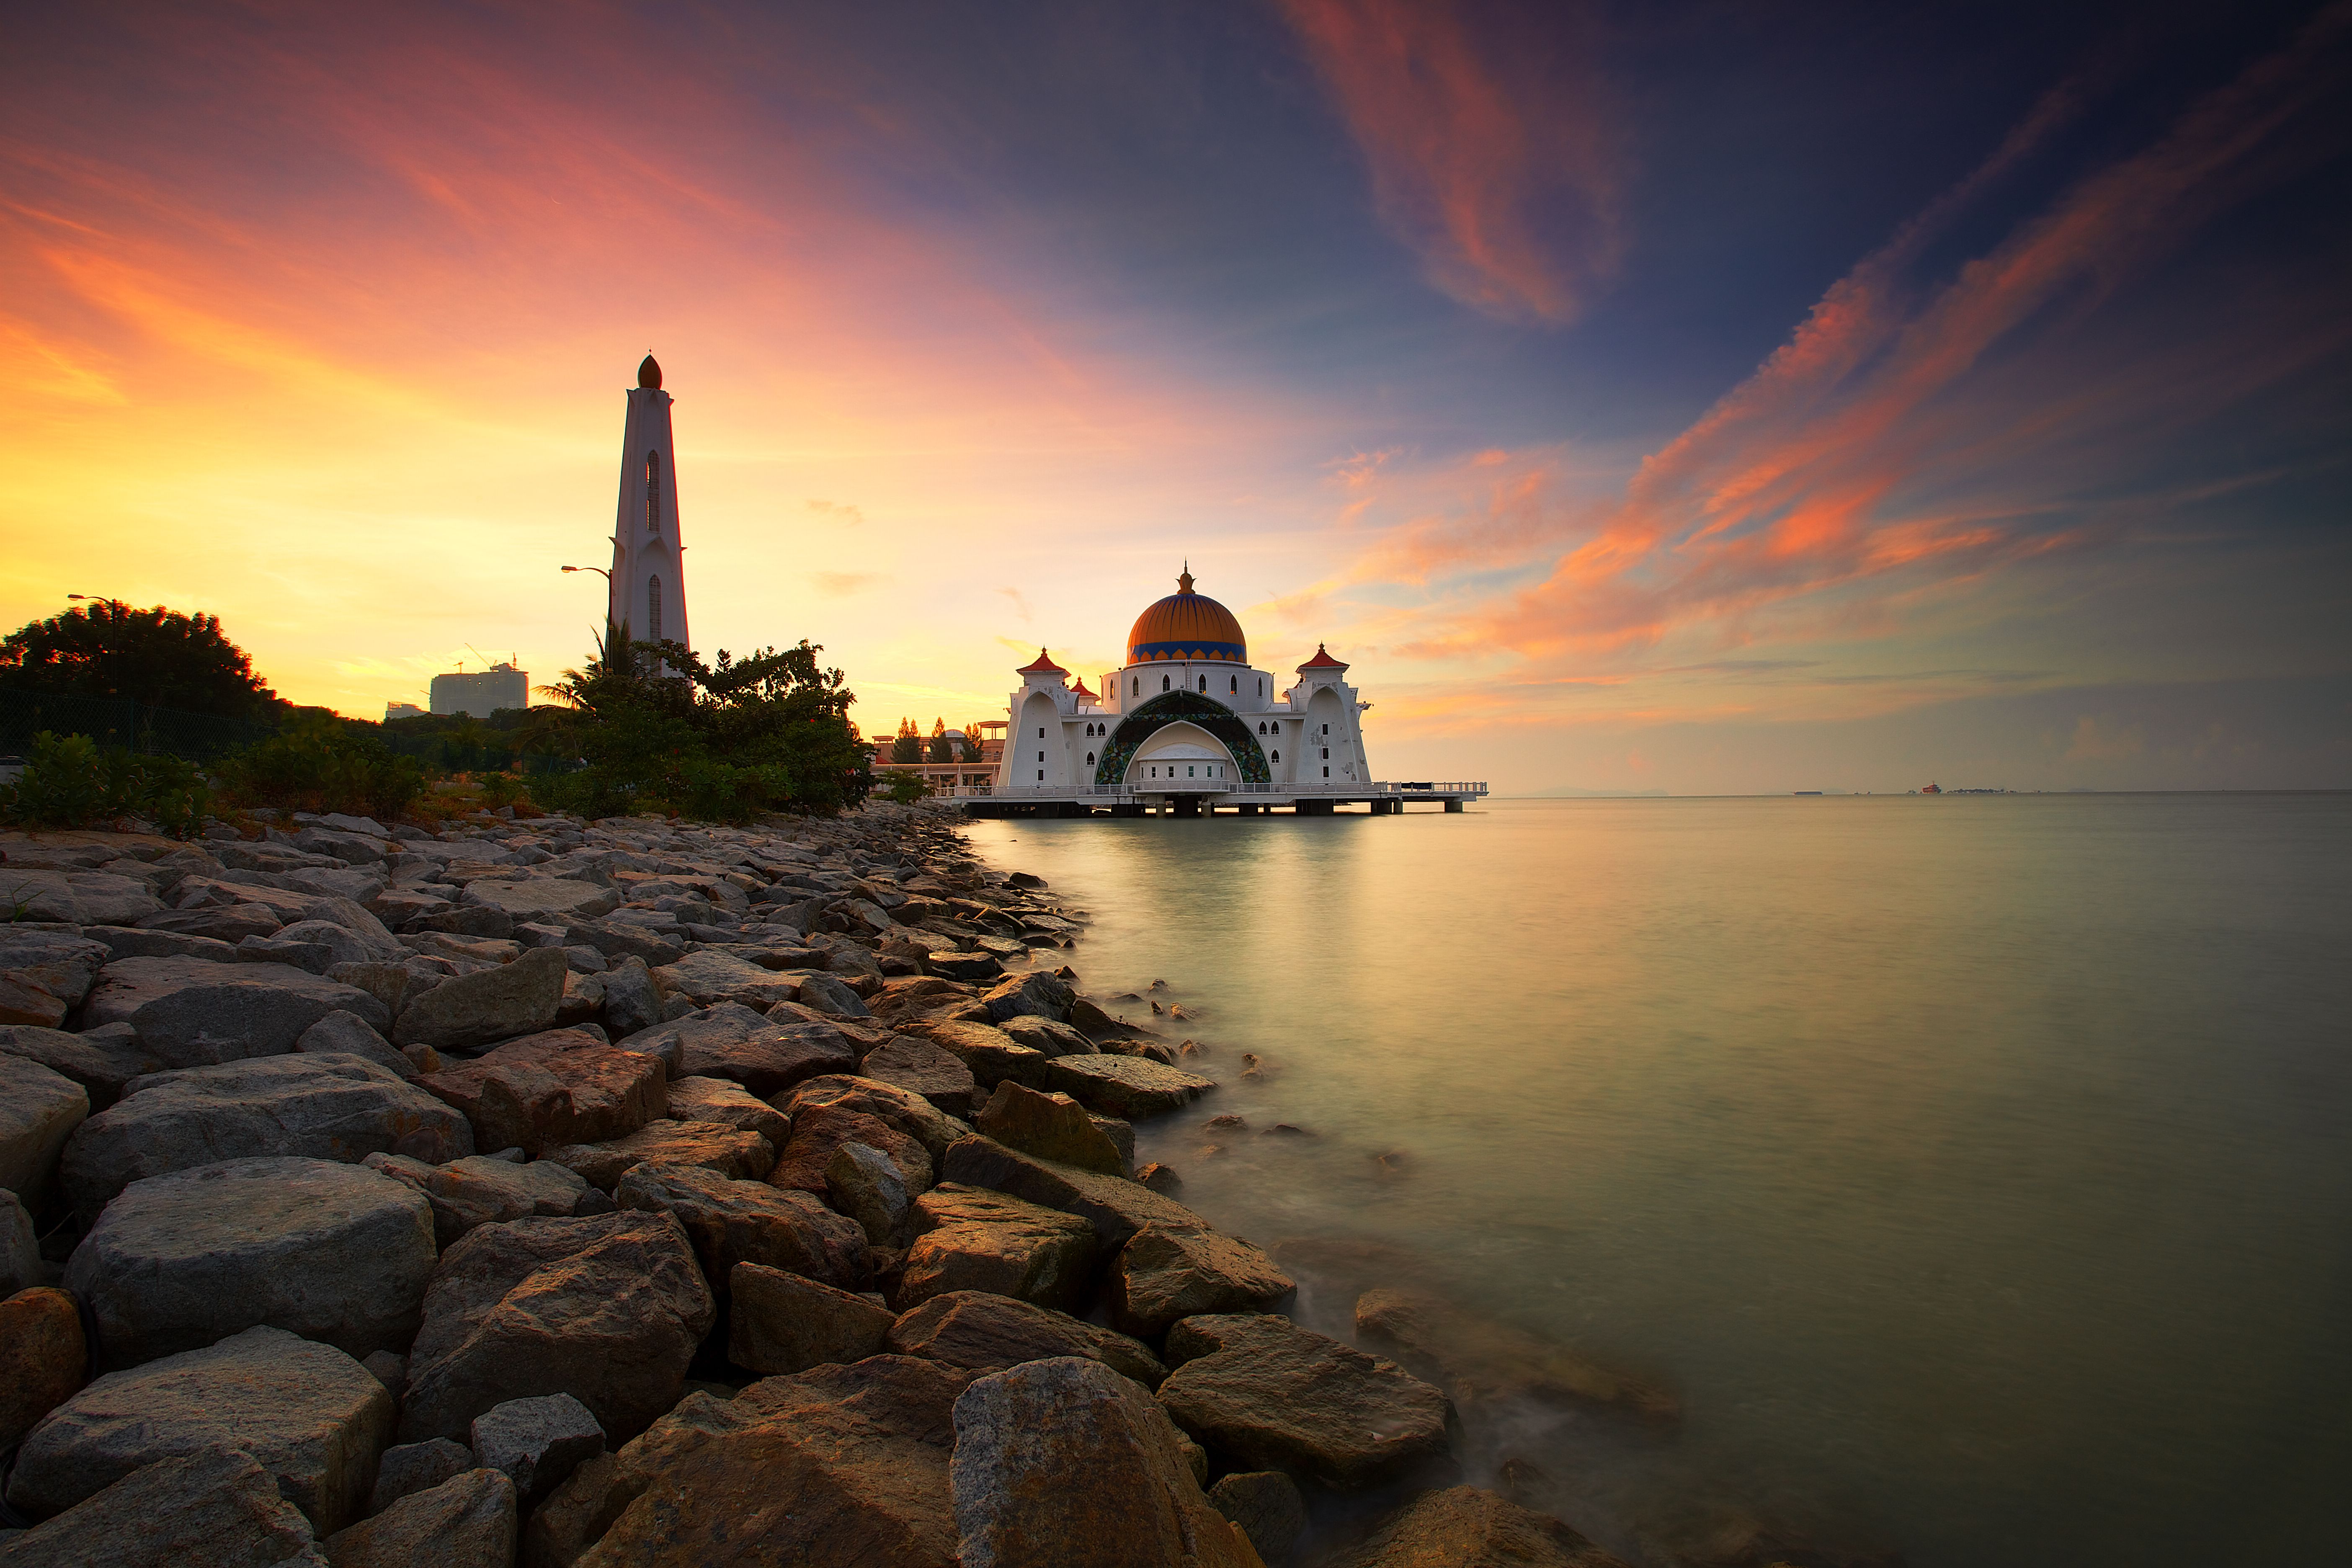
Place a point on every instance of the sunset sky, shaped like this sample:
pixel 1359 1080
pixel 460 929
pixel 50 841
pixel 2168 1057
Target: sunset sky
pixel 1700 398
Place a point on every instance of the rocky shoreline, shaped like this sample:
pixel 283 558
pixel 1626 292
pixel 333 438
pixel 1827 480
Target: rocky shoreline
pixel 560 1192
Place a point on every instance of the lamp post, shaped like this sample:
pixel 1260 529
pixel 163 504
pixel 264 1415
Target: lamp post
pixel 598 570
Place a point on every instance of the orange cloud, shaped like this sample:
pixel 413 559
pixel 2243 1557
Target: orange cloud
pixel 1501 174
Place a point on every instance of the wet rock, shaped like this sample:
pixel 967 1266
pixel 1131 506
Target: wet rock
pixel 1276 1396
pixel 719 1099
pixel 818 1131
pixel 1473 1528
pixel 39 1110
pixel 215 1507
pixel 323 1108
pixel 924 1069
pixel 467 1521
pixel 730 1152
pixel 549 898
pixel 1115 1207
pixel 1067 1464
pixel 1036 994
pixel 989 1053
pixel 705 976
pixel 730 1221
pixel 1050 1126
pixel 1475 1358
pixel 101 1061
pixel 828 993
pixel 985 1332
pixel 43 1358
pixel 901 1107
pixel 1128 1087
pixel 968 1238
pixel 1265 1505
pixel 608 1310
pixel 483 1189
pixel 1044 1036
pixel 536 1442
pixel 862 1183
pixel 564 1087
pixel 310 1414
pixel 779 1321
pixel 191 1012
pixel 349 1034
pixel 331 1252
pixel 632 1002
pixel 1167 1272
pixel 950 964
pixel 409 1467
pixel 517 998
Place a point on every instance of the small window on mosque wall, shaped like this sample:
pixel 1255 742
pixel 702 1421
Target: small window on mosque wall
pixel 1135 685
pixel 1277 756
pixel 652 609
pixel 1204 683
pixel 1234 684
pixel 1261 689
pixel 1163 683
pixel 653 492
pixel 1090 758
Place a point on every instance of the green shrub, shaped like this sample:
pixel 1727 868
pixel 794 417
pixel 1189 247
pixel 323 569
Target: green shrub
pixel 320 763
pixel 69 781
pixel 908 788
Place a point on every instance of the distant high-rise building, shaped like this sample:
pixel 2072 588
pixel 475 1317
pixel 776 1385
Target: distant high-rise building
pixel 648 581
pixel 402 710
pixel 482 694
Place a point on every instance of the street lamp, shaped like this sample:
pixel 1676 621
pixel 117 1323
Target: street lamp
pixel 598 570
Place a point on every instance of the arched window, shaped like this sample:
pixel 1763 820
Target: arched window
pixel 652 609
pixel 1275 755
pixel 1163 683
pixel 1090 758
pixel 1234 684
pixel 653 492
pixel 1261 689
pixel 1327 729
pixel 1134 686
pixel 1204 683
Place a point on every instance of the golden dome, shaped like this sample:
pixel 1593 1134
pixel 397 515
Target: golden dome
pixel 1186 625
pixel 649 375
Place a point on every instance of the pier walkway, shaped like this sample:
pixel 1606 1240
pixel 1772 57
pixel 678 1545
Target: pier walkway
pixel 1183 798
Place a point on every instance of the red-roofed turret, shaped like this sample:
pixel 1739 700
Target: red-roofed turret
pixel 1322 660
pixel 1042 666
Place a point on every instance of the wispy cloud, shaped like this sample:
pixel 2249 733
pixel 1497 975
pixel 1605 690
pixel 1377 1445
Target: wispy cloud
pixel 1497 168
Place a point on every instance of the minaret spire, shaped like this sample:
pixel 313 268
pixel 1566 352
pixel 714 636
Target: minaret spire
pixel 1184 579
pixel 648 593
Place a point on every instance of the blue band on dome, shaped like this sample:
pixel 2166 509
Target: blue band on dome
pixel 1147 652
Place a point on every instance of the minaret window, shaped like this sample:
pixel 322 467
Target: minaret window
pixel 653 492
pixel 1234 684
pixel 652 609
pixel 1163 683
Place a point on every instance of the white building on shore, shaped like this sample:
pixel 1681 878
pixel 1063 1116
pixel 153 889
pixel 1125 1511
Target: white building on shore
pixel 648 576
pixel 1188 718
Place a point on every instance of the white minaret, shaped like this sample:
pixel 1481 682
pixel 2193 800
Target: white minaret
pixel 648 558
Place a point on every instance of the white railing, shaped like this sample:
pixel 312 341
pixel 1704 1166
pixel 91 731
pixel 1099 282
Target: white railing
pixel 1213 786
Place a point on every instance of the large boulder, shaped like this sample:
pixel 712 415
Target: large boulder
pixel 720 1099
pixel 1065 1464
pixel 1132 1088
pixel 325 1108
pixel 1038 994
pixel 537 1442
pixel 1167 1272
pixel 607 1310
pixel 78 898
pixel 779 1321
pixel 216 1507
pixel 987 1052
pixel 482 1189
pixel 732 1221
pixel 987 1332
pixel 101 1060
pixel 707 977
pixel 1471 1528
pixel 1115 1206
pixel 39 1110
pixel 902 1107
pixel 467 1521
pixel 192 1012
pixel 632 1002
pixel 835 1465
pixel 313 1417
pixel 820 1130
pixel 1265 1505
pixel 409 1467
pixel 44 1357
pixel 1045 1035
pixel 1050 1126
pixel 732 1042
pixel 333 1252
pixel 227 924
pixel 46 973
pixel 554 899
pixel 326 882
pixel 136 942
pixel 489 1004
pixel 828 994
pixel 921 1068
pixel 970 1238
pixel 1275 1397
pixel 348 1034
pixel 730 1152
pixel 561 1087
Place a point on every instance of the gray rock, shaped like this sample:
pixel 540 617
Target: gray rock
pixel 63 963
pixel 608 1310
pixel 1065 1464
pixel 1275 1397
pixel 863 1184
pixel 356 885
pixel 227 924
pixel 409 1467
pixel 101 1060
pixel 20 1248
pixel 329 1251
pixel 353 914
pixel 536 1442
pixel 469 1520
pixel 989 1052
pixel 549 898
pixel 343 822
pixel 732 1222
pixel 484 1189
pixel 968 1238
pixel 132 941
pixel 326 1108
pixel 517 998
pixel 730 1152
pixel 213 1508
pixel 1266 1507
pixel 1132 1088
pixel 828 993
pixel 950 964
pixel 78 898
pixel 359 848
pixel 704 977
pixel 719 1099
pixel 190 1012
pixel 1036 994
pixel 632 1002
pixel 1050 1126
pixel 388 982
pixel 390 1370
pixel 310 1414
pixel 730 1041
pixel 1116 1208
pixel 348 1034
pixel 1045 1036
pixel 39 1110
pixel 919 1066
pixel 1167 1272
pixel 311 957
pixel 779 1321
pixel 559 1087
pixel 987 1332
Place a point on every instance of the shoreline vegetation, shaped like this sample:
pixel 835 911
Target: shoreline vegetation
pixel 545 1190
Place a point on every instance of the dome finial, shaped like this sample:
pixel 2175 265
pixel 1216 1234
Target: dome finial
pixel 650 374
pixel 1184 579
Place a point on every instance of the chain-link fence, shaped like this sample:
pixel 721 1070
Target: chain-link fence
pixel 119 722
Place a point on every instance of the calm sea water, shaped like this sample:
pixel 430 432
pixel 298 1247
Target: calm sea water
pixel 1978 1171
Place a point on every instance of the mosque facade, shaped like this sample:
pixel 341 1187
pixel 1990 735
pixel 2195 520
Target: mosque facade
pixel 1187 718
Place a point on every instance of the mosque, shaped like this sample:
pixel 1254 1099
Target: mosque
pixel 649 575
pixel 1189 724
